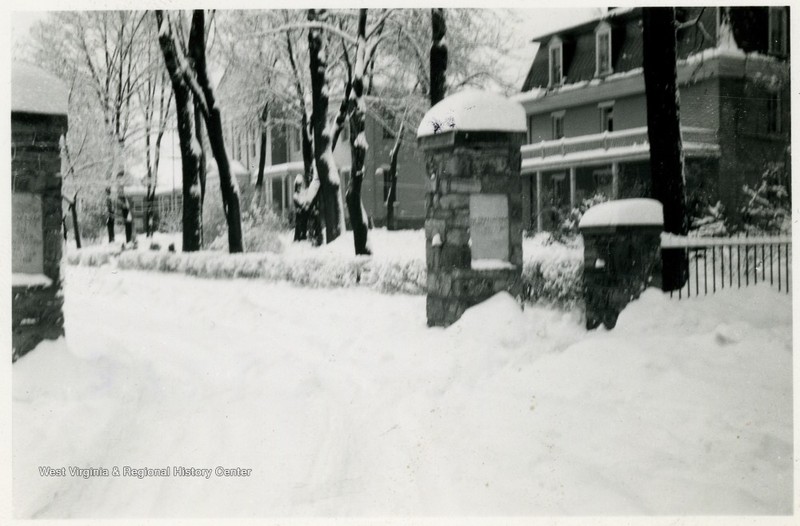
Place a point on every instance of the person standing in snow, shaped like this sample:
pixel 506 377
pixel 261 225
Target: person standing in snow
pixel 300 212
pixel 109 215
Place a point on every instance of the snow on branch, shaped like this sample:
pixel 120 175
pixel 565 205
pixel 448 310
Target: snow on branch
pixel 303 25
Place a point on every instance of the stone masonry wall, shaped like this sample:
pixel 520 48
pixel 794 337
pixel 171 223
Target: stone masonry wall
pixel 461 171
pixel 631 263
pixel 37 311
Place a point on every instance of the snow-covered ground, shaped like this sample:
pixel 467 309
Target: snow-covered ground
pixel 343 403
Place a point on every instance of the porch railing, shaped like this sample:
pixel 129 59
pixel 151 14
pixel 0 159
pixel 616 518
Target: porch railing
pixel 610 140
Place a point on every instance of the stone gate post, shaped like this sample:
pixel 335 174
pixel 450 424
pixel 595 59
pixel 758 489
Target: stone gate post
pixel 473 225
pixel 38 122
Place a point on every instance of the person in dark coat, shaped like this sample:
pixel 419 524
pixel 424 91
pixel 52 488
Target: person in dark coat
pixel 300 211
pixel 110 215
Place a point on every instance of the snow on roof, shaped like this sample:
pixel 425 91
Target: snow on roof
pixel 531 94
pixel 34 90
pixel 611 12
pixel 236 168
pixel 473 110
pixel 624 212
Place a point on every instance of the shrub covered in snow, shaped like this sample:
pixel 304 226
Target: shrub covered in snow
pixel 170 220
pixel 552 270
pixel 569 220
pixel 711 223
pixel 261 229
pixel 769 204
pixel 92 256
pixel 327 271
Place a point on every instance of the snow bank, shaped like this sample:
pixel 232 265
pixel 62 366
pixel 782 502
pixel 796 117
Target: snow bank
pixel 685 408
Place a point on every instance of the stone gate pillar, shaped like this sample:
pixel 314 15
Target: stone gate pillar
pixel 38 121
pixel 473 225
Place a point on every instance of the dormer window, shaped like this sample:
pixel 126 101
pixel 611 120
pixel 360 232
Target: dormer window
pixel 778 31
pixel 603 49
pixel 556 62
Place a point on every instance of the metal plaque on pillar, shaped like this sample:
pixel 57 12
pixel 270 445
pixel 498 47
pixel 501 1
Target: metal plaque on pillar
pixel 27 253
pixel 488 223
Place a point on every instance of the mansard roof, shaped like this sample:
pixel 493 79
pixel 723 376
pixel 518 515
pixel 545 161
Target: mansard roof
pixel 579 48
pixel 749 25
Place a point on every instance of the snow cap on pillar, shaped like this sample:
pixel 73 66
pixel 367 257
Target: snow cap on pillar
pixel 34 90
pixel 624 212
pixel 473 110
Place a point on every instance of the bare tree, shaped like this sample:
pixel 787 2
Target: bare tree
pixel 391 193
pixel 308 203
pixel 205 99
pixel 326 169
pixel 175 61
pixel 110 52
pixel 358 142
pixel 155 101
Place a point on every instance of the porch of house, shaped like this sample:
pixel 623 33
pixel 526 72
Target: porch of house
pixel 558 175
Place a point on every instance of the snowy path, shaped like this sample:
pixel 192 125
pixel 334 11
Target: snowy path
pixel 685 408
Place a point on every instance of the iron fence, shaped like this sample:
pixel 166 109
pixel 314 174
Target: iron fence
pixel 732 262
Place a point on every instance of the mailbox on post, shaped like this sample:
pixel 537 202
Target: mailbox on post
pixel 473 225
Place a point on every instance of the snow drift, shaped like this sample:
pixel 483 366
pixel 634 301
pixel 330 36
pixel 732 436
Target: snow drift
pixel 685 408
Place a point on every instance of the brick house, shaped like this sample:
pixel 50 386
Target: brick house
pixel 584 97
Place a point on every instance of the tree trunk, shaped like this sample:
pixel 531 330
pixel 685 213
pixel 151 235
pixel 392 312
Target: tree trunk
pixel 438 56
pixel 323 155
pixel 664 133
pixel 73 206
pixel 213 118
pixel 190 155
pixel 203 164
pixel 147 196
pixel 358 144
pixel 151 197
pixel 392 176
pixel 314 231
pixel 342 115
pixel 344 106
pixel 262 156
pixel 314 219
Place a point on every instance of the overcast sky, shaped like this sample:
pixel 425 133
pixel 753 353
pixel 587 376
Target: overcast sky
pixel 530 24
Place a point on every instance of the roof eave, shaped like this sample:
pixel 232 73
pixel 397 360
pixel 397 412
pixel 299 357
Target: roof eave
pixel 620 12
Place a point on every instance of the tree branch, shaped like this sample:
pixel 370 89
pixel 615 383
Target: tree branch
pixel 303 25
